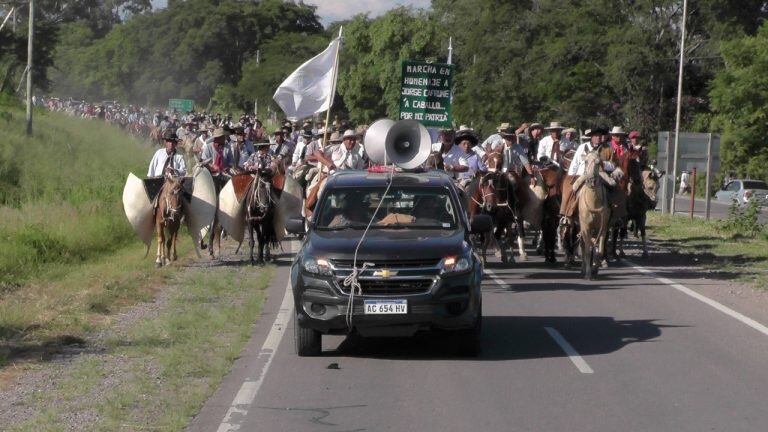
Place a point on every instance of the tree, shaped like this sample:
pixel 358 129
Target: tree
pixel 739 99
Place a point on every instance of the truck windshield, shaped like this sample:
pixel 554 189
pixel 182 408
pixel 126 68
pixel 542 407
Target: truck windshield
pixel 403 208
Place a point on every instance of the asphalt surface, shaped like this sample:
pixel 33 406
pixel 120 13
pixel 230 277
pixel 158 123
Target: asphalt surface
pixel 718 209
pixel 645 356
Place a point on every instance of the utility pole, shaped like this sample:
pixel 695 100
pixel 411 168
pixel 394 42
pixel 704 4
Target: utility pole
pixel 30 44
pixel 679 105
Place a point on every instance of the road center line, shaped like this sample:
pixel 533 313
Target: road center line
pixel 704 299
pixel 495 278
pixel 576 359
pixel 250 388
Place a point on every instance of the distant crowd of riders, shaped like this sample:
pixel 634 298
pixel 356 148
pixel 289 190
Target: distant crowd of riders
pixel 531 171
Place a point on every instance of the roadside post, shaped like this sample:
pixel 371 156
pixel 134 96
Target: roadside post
pixel 693 192
pixel 708 191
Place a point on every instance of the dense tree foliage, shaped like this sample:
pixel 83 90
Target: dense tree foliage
pixel 740 105
pixel 574 61
pixel 186 50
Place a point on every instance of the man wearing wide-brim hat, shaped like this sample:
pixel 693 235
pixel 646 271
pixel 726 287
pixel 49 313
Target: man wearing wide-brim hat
pixel 529 136
pixel 167 160
pixel 217 155
pixel 469 163
pixel 549 147
pixel 494 142
pixel 516 164
pixel 262 162
pixel 618 141
pixel 281 147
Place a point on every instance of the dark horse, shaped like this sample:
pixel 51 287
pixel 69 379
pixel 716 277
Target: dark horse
pixel 168 214
pixel 642 197
pixel 552 177
pixel 260 205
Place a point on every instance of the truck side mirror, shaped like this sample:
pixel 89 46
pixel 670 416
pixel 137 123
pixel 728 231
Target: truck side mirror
pixel 480 224
pixel 295 226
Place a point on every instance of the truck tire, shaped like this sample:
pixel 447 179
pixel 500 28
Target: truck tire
pixel 308 341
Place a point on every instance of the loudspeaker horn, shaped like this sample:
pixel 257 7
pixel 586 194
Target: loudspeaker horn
pixel 405 143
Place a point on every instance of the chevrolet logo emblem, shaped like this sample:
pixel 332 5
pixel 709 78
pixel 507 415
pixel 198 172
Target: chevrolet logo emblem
pixel 384 273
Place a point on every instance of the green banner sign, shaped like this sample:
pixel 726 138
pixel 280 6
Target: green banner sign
pixel 425 93
pixel 182 105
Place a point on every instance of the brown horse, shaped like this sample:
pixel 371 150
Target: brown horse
pixel 168 214
pixel 434 162
pixel 642 197
pixel 551 176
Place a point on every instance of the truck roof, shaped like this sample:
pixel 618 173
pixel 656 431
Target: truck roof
pixel 350 178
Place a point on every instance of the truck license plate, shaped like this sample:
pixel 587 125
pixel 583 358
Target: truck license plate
pixel 383 307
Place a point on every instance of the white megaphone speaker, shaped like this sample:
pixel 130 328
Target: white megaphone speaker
pixel 405 143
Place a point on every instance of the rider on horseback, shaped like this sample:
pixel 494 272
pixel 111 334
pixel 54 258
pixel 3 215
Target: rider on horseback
pixel 167 159
pixel 469 162
pixel 516 163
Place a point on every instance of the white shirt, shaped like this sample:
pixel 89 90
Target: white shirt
pixel 452 157
pixel 157 165
pixel 475 164
pixel 345 159
pixel 545 148
pixel 578 165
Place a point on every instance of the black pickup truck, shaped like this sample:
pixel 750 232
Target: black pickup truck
pixel 417 269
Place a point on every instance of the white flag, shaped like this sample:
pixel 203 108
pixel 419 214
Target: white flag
pixel 309 89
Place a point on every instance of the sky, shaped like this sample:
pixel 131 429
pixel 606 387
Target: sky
pixel 336 10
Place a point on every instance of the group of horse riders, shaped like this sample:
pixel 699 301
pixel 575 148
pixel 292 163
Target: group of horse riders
pixel 537 162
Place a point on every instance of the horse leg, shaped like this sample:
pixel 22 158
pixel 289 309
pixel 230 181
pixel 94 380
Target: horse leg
pixel 260 239
pixel 175 236
pixel 641 226
pixel 160 244
pixel 212 235
pixel 251 241
pixel 521 239
pixel 622 236
pixel 168 245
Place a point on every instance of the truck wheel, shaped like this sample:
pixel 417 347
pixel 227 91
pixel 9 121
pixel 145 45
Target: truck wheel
pixel 308 341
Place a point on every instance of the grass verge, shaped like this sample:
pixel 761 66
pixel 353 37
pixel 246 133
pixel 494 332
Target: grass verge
pixel 714 246
pixel 158 370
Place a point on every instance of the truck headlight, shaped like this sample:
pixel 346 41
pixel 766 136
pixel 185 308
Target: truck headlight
pixel 317 266
pixel 453 264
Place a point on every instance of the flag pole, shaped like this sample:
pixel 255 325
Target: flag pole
pixel 333 88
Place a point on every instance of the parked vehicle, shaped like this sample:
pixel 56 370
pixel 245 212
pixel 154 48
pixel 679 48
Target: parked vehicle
pixel 743 191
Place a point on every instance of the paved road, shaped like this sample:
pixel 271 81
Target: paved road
pixel 646 356
pixel 718 209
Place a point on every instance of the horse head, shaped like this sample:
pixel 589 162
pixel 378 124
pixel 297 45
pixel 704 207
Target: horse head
pixel 651 179
pixel 486 192
pixel 260 200
pixel 495 161
pixel 172 197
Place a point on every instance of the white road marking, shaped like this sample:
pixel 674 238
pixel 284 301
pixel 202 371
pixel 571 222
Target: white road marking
pixel 577 360
pixel 250 388
pixel 704 299
pixel 495 278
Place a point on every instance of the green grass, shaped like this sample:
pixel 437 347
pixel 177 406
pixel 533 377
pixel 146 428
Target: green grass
pixel 60 191
pixel 715 246
pixel 170 363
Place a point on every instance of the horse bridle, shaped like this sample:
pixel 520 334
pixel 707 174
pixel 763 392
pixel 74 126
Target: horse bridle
pixel 171 212
pixel 489 179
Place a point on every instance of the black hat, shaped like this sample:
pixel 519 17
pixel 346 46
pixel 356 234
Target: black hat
pixel 306 132
pixel 263 143
pixel 238 130
pixel 170 135
pixel 465 135
pixel 596 130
